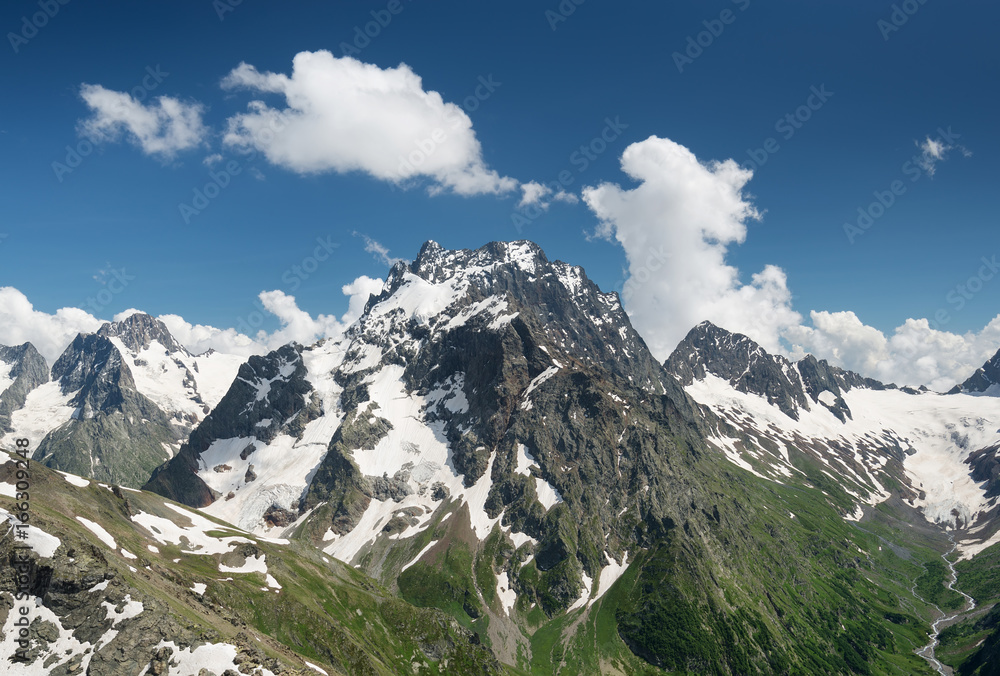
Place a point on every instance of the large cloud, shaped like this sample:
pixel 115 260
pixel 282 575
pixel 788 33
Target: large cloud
pixel 915 353
pixel 21 323
pixel 343 115
pixel 161 129
pixel 676 227
pixel 52 333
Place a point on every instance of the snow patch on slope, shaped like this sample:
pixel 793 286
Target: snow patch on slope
pixel 193 538
pixel 938 432
pixel 609 575
pixel 98 530
pixel 45 408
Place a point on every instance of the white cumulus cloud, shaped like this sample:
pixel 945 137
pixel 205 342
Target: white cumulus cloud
pixel 161 129
pixel 377 250
pixel 21 323
pixel 343 115
pixel 676 228
pixel 914 354
pixel 52 333
pixel 934 150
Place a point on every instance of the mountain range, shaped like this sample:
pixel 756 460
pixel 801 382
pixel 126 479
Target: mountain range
pixel 492 450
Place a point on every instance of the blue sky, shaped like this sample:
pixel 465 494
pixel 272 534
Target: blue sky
pixel 892 76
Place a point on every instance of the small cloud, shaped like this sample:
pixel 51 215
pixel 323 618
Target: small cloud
pixel 379 252
pixel 212 160
pixel 160 129
pixel 101 276
pixel 533 192
pixel 934 150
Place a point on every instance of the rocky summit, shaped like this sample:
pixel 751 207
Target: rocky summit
pixel 489 472
pixel 116 404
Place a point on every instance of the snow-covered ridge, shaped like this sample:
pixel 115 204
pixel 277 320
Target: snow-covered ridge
pixel 936 432
pixel 184 386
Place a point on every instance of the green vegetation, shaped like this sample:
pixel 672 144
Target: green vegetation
pixel 972 646
pixel 446 584
pixel 932 586
pixel 980 577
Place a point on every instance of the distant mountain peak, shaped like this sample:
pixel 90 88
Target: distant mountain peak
pixel 139 330
pixel 748 367
pixel 985 377
pixel 24 369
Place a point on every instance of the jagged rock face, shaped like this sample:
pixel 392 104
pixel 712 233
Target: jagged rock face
pixel 116 592
pixel 268 396
pixel 464 359
pixel 985 464
pixel 879 436
pixel 741 361
pixel 749 368
pixel 577 316
pixel 94 369
pixel 139 330
pixel 505 393
pixel 116 403
pixel 116 434
pixel 984 379
pixel 25 369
